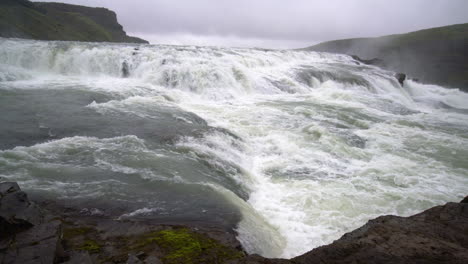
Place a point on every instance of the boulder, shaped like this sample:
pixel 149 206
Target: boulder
pixel 39 244
pixel 401 77
pixel 79 257
pixel 24 235
pixel 152 260
pixel 16 211
pixel 125 70
pixel 465 200
pixel 132 259
pixel 8 187
pixel 438 235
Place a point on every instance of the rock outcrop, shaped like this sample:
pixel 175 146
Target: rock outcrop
pixel 401 77
pixel 435 55
pixel 27 234
pixel 56 234
pixel 438 235
pixel 374 61
pixel 57 21
pixel 16 212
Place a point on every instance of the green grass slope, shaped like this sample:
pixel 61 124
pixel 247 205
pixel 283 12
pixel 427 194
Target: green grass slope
pixel 436 55
pixel 56 21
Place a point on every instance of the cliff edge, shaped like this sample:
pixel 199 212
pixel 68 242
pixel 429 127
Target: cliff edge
pixel 57 21
pixel 435 55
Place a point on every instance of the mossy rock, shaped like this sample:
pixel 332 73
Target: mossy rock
pixel 91 246
pixel 188 247
pixel 69 233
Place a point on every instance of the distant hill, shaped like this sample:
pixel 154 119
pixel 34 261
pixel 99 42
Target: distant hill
pixel 57 21
pixel 436 55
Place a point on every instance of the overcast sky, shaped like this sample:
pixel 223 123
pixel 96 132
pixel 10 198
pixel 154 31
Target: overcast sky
pixel 276 23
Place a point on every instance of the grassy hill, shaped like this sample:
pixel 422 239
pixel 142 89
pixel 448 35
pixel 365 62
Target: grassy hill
pixel 57 21
pixel 436 55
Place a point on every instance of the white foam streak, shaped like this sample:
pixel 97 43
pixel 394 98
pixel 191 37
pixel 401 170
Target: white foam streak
pixel 322 144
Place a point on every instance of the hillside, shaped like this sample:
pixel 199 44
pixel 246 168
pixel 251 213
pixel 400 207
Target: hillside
pixel 57 21
pixel 436 55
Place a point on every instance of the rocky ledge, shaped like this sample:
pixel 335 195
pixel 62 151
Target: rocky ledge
pixel 30 233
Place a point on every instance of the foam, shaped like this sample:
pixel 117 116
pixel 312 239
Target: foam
pixel 315 145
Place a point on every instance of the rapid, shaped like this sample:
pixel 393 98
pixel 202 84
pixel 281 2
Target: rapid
pixel 289 148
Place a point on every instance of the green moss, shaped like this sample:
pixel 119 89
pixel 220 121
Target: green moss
pixel 69 233
pixel 185 246
pixel 181 244
pixel 90 246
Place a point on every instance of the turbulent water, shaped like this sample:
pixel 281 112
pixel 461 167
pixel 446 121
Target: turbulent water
pixel 290 148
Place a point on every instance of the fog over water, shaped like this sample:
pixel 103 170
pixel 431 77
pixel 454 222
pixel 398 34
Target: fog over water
pixel 276 23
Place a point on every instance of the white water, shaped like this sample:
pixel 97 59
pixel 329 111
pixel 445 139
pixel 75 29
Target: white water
pixel 321 144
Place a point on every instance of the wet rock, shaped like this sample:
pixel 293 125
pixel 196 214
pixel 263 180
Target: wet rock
pixel 79 258
pixel 16 212
pixel 8 187
pixel 125 69
pixel 152 260
pixel 25 235
pixel 465 200
pixel 374 61
pixel 39 244
pixel 256 259
pixel 438 235
pixel 401 77
pixel 132 259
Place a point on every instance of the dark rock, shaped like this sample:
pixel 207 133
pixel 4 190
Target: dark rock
pixel 465 200
pixel 152 260
pixel 81 257
pixel 8 187
pixel 39 244
pixel 16 212
pixel 401 77
pixel 132 259
pixel 25 237
pixel 39 233
pixel 125 71
pixel 256 259
pixel 374 61
pixel 438 235
pixel 52 21
pixel 119 241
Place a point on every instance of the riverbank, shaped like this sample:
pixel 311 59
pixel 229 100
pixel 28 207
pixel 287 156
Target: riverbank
pixel 433 55
pixel 50 232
